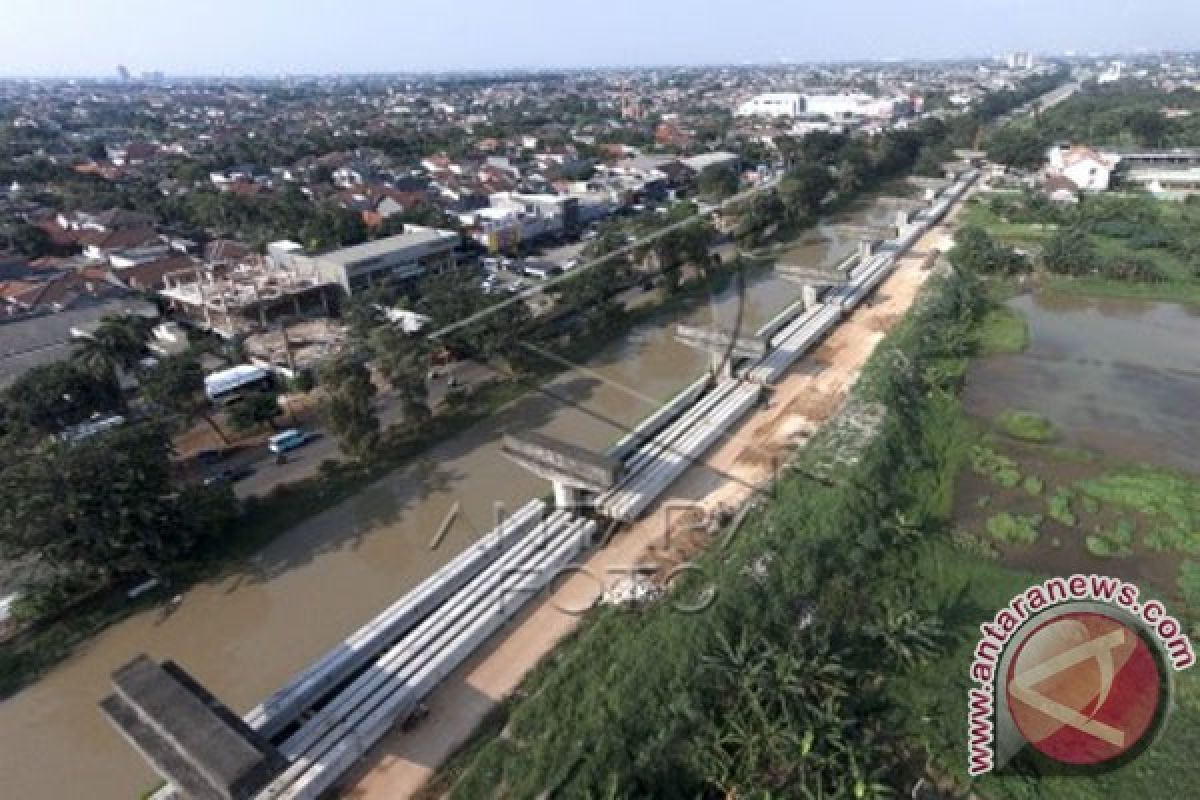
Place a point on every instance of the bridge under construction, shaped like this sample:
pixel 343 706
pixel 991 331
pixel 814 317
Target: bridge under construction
pixel 300 741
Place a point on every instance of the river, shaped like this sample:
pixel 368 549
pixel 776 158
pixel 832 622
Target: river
pixel 245 635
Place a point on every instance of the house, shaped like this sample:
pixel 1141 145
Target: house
pixel 670 134
pixel 149 275
pixel 115 219
pixel 1087 168
pixel 99 245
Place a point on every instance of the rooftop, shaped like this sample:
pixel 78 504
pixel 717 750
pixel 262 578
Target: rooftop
pixel 413 237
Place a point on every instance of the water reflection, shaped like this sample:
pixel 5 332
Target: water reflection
pixel 1116 375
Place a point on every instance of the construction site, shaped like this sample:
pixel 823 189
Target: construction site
pixel 437 649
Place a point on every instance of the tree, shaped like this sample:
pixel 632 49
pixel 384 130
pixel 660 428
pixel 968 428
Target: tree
pixel 1017 146
pixel 253 411
pixel 495 328
pixel 1069 252
pixel 54 396
pixel 849 178
pixel 361 314
pixel 29 240
pixel 117 344
pixel 975 250
pixel 1148 126
pixel 717 182
pixel 104 508
pixel 403 361
pixel 176 385
pixel 803 189
pixel 347 406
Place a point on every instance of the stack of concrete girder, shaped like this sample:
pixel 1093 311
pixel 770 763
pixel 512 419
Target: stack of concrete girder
pixel 336 735
pixel 651 468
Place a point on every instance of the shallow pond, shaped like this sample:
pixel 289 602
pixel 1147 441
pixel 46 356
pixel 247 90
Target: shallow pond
pixel 1119 377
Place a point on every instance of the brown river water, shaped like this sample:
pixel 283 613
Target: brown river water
pixel 245 635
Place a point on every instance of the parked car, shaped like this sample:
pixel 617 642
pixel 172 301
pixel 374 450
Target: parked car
pixel 289 440
pixel 229 475
pixel 210 456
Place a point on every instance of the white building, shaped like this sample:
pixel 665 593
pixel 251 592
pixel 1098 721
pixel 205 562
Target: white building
pixel 792 105
pixel 1088 169
pixel 1020 60
pixel 855 104
pixel 515 217
pixel 782 104
pixel 408 255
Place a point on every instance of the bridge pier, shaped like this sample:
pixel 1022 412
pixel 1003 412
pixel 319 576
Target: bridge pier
pixel 567 498
pixel 573 471
pixel 726 348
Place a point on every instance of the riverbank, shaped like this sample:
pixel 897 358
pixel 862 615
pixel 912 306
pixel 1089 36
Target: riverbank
pixel 630 704
pixel 1033 498
pixel 734 472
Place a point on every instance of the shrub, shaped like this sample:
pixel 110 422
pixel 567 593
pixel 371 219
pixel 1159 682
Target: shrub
pixel 1002 331
pixel 1189 584
pixel 1172 539
pixel 1060 509
pixel 999 468
pixel 1027 426
pixel 1014 528
pixel 1114 542
pixel 1033 485
pixel 1132 269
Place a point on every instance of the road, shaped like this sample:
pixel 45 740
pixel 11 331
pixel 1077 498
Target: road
pixel 304 462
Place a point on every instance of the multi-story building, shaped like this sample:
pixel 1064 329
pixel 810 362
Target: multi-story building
pixel 776 104
pixel 394 259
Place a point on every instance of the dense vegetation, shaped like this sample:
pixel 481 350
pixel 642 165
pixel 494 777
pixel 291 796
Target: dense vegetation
pixel 833 659
pixel 1122 244
pixel 1126 114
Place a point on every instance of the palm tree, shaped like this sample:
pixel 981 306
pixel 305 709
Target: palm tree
pixel 116 344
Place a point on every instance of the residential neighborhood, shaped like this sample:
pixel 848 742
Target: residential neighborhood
pixel 420 414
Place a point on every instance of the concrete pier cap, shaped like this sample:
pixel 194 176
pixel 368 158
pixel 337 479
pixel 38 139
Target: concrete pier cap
pixel 573 470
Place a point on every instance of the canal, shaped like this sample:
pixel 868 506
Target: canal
pixel 246 634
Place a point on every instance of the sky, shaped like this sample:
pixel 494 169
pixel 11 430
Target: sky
pixel 271 37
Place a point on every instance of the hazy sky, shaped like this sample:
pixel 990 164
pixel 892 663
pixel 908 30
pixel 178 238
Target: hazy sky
pixel 90 37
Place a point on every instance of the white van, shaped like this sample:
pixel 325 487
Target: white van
pixel 288 440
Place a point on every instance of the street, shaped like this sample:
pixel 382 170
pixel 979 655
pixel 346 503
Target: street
pixel 303 462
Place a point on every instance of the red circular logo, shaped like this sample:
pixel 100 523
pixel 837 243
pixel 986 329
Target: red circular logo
pixel 1084 688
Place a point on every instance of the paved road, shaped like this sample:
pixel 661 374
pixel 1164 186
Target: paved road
pixel 303 462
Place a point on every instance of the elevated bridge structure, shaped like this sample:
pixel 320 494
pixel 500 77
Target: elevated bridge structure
pixel 300 741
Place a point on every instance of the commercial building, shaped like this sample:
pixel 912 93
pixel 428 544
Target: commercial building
pixel 792 105
pixel 394 259
pixel 777 104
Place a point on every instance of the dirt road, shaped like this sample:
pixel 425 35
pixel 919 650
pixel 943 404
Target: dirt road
pixel 814 390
